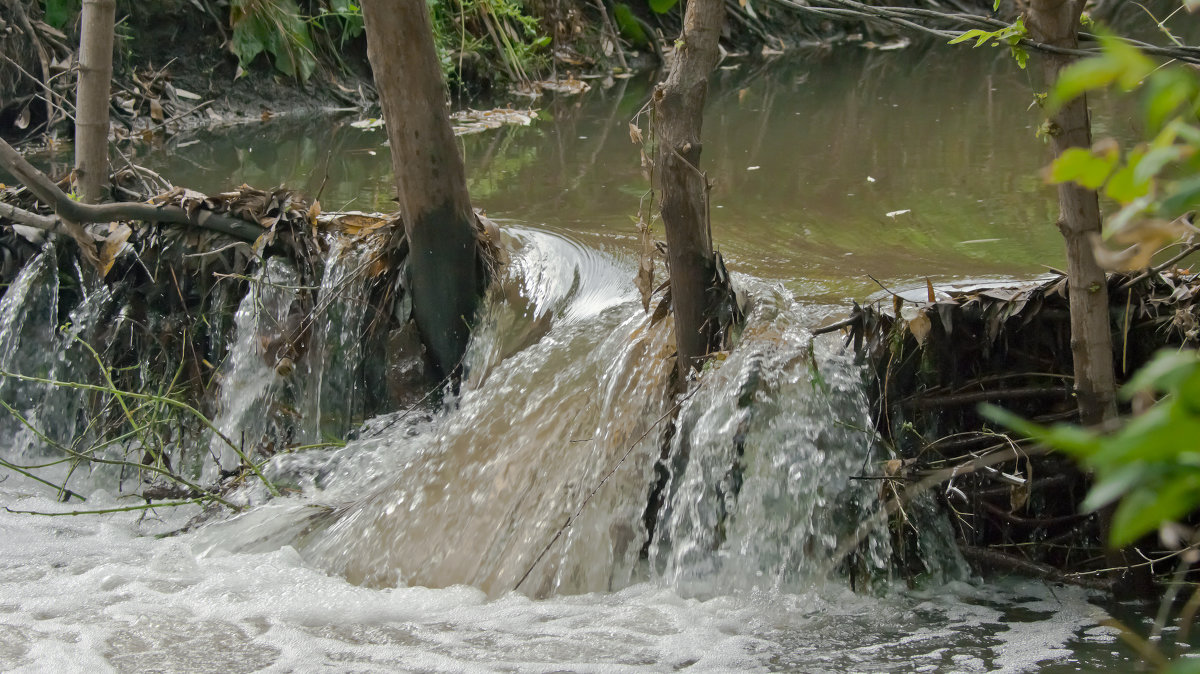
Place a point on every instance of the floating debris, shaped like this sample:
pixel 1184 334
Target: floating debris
pixel 467 122
pixel 474 121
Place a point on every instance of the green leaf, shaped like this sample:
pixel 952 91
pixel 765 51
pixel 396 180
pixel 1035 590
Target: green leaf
pixel 1166 92
pixel 1182 197
pixel 1123 186
pixel 1079 165
pixel 661 6
pixel 1134 66
pixel 59 12
pixel 1113 486
pixel 630 28
pixel 1152 163
pixel 1145 509
pixel 1166 371
pixel 1081 77
pixel 979 36
pixel 1160 435
pixel 1126 215
pixel 1020 56
pixel 1063 437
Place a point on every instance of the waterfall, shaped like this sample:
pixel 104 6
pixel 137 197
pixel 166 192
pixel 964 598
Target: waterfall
pixel 565 411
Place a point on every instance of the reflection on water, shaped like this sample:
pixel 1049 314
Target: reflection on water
pixel 808 158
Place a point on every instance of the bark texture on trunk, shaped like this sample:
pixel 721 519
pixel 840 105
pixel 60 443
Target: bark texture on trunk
pixel 445 278
pixel 96 26
pixel 1056 22
pixel 678 117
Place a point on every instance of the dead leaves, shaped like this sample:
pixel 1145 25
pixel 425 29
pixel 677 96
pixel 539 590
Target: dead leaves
pixel 112 246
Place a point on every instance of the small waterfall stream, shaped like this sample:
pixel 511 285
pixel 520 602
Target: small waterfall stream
pixel 568 381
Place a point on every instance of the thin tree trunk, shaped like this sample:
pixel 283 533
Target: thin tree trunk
pixel 678 117
pixel 1056 22
pixel 91 98
pixel 446 279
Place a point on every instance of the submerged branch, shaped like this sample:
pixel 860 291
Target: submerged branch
pixel 104 511
pixel 1003 560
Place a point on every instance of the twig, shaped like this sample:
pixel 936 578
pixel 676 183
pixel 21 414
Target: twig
pixel 153 398
pixel 103 511
pixel 1157 269
pixel 80 456
pixel 61 489
pixel 834 327
pixel 985 556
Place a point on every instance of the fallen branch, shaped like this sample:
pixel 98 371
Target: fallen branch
pixel 1003 560
pixel 69 213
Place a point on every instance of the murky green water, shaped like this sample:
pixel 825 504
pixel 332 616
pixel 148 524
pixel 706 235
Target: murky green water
pixel 808 158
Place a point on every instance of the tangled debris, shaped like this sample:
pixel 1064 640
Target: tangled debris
pixel 935 354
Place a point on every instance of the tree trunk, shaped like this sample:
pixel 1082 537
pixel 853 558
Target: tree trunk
pixel 678 116
pixel 1056 22
pixel 443 264
pixel 91 98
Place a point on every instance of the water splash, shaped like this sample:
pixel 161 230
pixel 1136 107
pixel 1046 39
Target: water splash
pixel 567 375
pixel 249 383
pixel 761 489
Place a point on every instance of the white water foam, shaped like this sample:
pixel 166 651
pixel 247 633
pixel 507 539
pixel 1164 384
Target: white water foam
pixel 97 593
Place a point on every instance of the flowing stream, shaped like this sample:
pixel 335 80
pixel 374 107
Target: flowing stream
pixel 509 529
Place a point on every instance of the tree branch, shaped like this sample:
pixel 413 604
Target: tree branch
pixel 70 211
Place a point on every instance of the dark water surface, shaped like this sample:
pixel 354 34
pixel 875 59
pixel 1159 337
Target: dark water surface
pixel 825 169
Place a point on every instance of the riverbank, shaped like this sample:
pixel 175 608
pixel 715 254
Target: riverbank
pixel 219 64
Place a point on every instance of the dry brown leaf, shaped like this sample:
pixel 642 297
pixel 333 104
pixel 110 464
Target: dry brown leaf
pixel 156 110
pixel 919 325
pixel 635 134
pixel 113 244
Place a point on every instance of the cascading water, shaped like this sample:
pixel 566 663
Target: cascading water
pixel 566 375
pixel 266 405
pixel 761 485
pixel 249 383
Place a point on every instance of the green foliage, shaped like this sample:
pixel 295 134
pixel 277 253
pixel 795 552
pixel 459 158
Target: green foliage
pixel 1009 35
pixel 1156 180
pixel 59 12
pixel 275 27
pixel 488 31
pixel 631 29
pixel 661 6
pixel 1152 464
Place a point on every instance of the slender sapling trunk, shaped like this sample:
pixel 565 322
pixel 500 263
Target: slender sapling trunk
pixel 91 98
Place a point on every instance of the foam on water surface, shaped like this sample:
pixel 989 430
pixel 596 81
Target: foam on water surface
pixel 566 381
pixel 98 593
